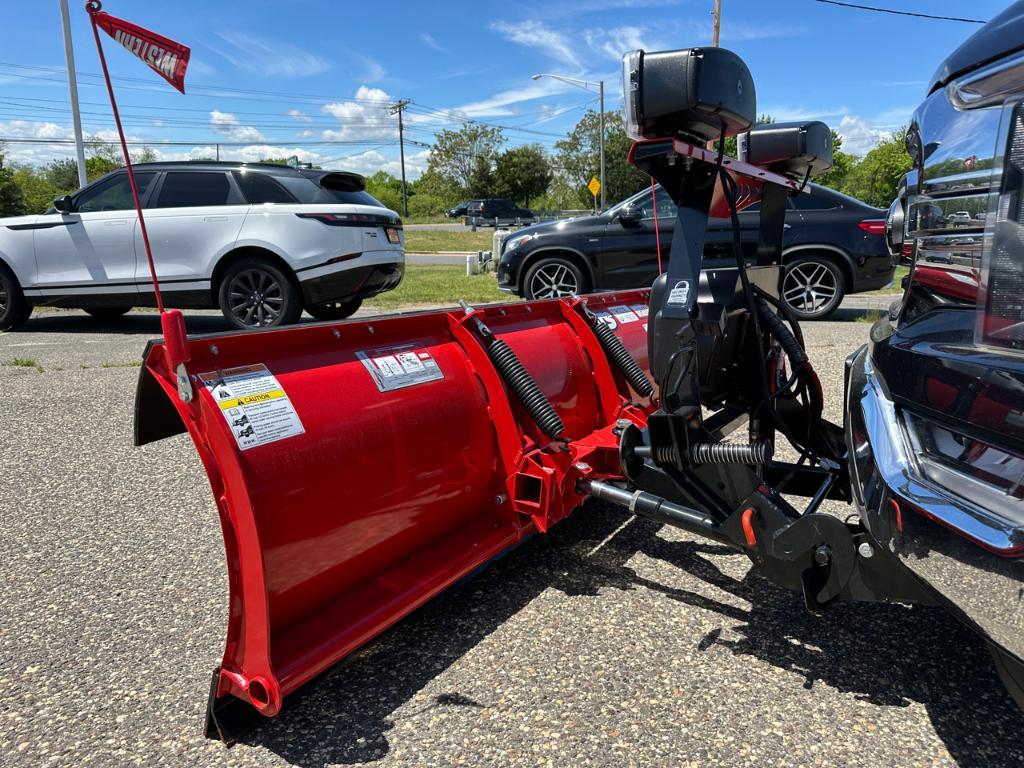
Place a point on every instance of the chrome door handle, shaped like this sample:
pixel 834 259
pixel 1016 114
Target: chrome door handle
pixel 115 222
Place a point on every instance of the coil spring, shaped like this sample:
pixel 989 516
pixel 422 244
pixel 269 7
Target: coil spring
pixel 619 355
pixel 716 453
pixel 525 388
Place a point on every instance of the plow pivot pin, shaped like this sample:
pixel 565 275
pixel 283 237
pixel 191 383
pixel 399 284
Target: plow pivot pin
pixel 822 555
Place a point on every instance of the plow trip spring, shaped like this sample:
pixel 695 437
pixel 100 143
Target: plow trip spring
pixel 360 468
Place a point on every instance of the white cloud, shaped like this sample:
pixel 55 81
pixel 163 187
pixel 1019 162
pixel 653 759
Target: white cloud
pixel 498 104
pixel 271 58
pixel 616 41
pixel 535 34
pixel 859 135
pixel 431 42
pixel 368 163
pixel 299 115
pixel 367 116
pixel 228 124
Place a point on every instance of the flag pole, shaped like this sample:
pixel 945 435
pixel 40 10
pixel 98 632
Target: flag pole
pixel 94 7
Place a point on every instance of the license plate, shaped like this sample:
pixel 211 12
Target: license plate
pixel 394 236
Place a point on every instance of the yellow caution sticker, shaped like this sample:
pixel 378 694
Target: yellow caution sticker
pixel 254 405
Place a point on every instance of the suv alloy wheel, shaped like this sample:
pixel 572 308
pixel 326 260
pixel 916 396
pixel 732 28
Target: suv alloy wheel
pixel 255 293
pixel 553 278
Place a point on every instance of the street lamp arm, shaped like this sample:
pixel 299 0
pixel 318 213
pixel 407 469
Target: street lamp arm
pixel 585 84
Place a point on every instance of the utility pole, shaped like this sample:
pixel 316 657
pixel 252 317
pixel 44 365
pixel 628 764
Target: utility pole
pixel 603 186
pixel 718 22
pixel 398 108
pixel 76 117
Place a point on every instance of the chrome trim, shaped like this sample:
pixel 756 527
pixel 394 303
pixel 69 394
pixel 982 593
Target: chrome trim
pixel 898 469
pixel 989 85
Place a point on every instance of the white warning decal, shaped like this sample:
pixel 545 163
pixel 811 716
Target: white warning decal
pixel 640 309
pixel 624 314
pixel 680 293
pixel 254 404
pixel 397 367
pixel 607 319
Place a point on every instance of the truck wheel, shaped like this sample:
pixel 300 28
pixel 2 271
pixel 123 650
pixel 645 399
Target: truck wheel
pixel 14 310
pixel 107 314
pixel 334 310
pixel 813 287
pixel 552 278
pixel 256 293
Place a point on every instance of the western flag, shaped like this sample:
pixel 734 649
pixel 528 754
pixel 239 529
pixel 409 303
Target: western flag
pixel 164 56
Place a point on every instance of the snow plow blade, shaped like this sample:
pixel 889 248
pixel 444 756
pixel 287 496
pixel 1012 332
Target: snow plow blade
pixel 360 468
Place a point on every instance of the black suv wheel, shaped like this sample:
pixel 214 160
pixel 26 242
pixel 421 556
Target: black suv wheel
pixel 554 277
pixel 813 287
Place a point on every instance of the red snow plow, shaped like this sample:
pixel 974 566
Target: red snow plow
pixel 360 468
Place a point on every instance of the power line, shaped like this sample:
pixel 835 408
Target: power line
pixel 900 13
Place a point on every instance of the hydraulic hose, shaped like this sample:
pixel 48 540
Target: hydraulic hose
pixel 618 354
pixel 794 351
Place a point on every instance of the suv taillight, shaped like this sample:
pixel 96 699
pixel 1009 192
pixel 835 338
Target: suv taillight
pixel 873 226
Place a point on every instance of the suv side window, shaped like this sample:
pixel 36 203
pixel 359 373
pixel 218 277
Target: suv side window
pixel 114 195
pixel 813 202
pixel 260 188
pixel 187 189
pixel 666 208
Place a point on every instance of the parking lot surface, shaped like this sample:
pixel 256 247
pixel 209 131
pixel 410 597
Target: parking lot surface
pixel 604 643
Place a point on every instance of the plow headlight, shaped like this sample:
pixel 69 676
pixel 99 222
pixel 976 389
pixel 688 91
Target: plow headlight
pixel 693 93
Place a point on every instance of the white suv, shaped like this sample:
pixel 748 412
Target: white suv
pixel 260 241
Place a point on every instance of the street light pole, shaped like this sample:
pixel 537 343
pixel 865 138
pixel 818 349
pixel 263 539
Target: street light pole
pixel 586 85
pixel 76 117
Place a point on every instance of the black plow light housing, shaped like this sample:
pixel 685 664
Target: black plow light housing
pixel 798 150
pixel 691 94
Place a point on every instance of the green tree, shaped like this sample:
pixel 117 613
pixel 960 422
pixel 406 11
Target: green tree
pixel 12 202
pixel 579 158
pixel 386 189
pixel 875 177
pixel 482 182
pixel 36 188
pixel 460 155
pixel 98 166
pixel 522 173
pixel 62 174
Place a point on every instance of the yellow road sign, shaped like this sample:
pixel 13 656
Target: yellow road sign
pixel 594 186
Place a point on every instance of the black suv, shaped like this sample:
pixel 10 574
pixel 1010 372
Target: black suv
pixel 834 245
pixel 496 210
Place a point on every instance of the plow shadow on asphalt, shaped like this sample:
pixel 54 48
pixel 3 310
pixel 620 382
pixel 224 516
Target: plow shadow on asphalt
pixel 886 655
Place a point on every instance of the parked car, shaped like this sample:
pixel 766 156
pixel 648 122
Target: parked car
pixel 496 210
pixel 834 245
pixel 456 211
pixel 935 422
pixel 262 242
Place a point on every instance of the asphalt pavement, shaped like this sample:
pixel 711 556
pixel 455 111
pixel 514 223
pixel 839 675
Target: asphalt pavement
pixel 605 643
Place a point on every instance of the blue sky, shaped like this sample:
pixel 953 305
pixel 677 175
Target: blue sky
pixel 317 77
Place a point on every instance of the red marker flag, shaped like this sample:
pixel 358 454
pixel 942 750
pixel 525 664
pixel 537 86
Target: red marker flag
pixel 164 56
